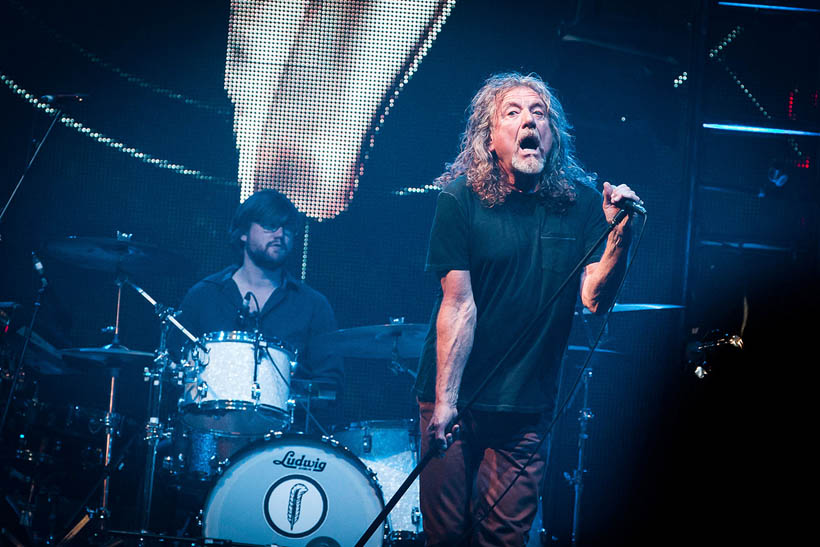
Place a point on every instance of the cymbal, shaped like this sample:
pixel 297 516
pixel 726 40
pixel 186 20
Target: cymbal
pixel 109 254
pixel 377 341
pixel 110 356
pixel 618 308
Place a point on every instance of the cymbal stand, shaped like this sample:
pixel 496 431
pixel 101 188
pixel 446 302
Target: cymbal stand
pixel 576 479
pixel 110 421
pixel 153 375
pixel 91 514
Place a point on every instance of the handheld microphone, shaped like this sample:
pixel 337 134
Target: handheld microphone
pixel 62 98
pixel 38 267
pixel 630 206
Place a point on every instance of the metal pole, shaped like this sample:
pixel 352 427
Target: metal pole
pixel 691 164
pixel 577 477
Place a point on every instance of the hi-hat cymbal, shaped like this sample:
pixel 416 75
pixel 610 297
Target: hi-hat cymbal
pixel 110 356
pixel 402 340
pixel 619 308
pixel 114 255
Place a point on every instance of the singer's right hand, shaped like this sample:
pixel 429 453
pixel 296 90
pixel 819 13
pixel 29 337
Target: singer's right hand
pixel 441 436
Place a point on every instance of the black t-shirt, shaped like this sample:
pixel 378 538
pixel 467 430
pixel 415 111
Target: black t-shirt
pixel 517 253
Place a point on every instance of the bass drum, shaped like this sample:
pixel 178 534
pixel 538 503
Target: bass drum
pixel 294 490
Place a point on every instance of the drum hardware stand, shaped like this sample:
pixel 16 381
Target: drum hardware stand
pixel 102 510
pixel 292 402
pixel 395 358
pixel 100 513
pixel 433 451
pixel 153 429
pixel 18 370
pixel 256 390
pixel 576 479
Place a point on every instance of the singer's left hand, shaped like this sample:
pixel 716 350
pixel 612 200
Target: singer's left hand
pixel 614 194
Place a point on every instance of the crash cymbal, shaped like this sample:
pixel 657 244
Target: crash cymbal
pixel 110 356
pixel 109 254
pixel 619 308
pixel 402 340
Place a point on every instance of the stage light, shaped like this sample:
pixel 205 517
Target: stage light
pixel 768 7
pixel 755 129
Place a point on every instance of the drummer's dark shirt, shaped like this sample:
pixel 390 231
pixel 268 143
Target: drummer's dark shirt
pixel 295 313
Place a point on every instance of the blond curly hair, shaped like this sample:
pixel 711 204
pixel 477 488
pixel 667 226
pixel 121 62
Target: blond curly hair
pixel 562 172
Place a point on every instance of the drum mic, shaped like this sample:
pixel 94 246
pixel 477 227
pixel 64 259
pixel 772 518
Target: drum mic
pixel 38 267
pixel 244 311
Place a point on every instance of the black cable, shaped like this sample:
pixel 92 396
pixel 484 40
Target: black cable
pixel 562 408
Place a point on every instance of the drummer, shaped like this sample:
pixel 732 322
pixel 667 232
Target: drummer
pixel 261 293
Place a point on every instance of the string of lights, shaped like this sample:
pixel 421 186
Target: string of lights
pixel 125 75
pixel 106 140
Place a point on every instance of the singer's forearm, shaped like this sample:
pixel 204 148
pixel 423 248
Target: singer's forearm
pixel 455 327
pixel 601 279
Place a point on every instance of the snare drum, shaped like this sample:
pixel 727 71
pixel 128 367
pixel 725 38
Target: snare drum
pixel 391 449
pixel 240 386
pixel 294 490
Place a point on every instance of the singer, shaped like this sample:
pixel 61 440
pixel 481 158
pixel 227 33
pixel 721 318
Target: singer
pixel 515 214
pixel 263 231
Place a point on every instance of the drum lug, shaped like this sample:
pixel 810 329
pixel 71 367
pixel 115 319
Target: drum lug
pixel 202 390
pixel 415 516
pixel 256 393
pixel 220 465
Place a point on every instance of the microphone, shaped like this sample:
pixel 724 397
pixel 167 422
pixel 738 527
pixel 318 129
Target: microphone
pixel 62 98
pixel 630 206
pixel 38 267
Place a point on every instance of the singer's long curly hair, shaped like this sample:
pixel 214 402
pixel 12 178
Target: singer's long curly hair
pixel 562 172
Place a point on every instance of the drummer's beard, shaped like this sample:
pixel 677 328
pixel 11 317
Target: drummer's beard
pixel 262 259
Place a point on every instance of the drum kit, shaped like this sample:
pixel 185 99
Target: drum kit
pixel 227 458
pixel 250 472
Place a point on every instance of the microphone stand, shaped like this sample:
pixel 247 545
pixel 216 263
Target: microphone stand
pixel 529 331
pixel 57 114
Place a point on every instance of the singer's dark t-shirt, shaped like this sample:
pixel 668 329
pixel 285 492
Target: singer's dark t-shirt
pixel 518 253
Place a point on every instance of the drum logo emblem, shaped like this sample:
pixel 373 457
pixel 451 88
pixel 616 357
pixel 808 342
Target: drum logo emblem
pixel 302 462
pixel 295 506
